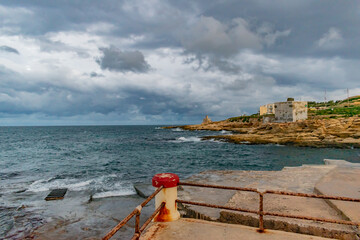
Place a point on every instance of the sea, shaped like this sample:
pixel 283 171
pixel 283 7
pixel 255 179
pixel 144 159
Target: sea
pixel 99 165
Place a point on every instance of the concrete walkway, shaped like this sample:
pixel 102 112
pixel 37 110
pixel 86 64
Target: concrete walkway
pixel 343 181
pixel 185 229
pixel 330 179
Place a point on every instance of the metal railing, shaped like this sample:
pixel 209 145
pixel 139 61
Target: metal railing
pixel 261 213
pixel 136 212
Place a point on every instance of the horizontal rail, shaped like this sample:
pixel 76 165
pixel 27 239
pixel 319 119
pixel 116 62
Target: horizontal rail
pixel 219 187
pixel 312 218
pixel 137 235
pixel 128 217
pixel 312 196
pixel 217 206
pixel 262 213
pixel 270 213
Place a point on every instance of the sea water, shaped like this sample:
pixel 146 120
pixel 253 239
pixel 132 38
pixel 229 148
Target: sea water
pixel 106 161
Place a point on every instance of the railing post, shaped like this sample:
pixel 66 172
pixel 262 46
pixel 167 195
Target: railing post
pixel 261 210
pixel 137 222
pixel 168 195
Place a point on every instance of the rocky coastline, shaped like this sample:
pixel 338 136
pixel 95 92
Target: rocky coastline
pixel 338 133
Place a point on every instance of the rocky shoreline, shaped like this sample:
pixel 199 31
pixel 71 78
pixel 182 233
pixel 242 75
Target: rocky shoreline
pixel 336 133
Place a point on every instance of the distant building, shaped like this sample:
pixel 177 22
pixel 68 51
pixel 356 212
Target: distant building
pixel 267 109
pixel 206 120
pixel 290 111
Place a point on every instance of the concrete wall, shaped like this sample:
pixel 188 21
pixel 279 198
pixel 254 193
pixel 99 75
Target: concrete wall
pixel 290 111
pixel 300 111
pixel 283 112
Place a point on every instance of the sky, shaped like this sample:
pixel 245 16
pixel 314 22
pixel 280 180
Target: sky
pixel 112 62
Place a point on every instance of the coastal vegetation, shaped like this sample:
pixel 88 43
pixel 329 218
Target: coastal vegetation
pixel 245 118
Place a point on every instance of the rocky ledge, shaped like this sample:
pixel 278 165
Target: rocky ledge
pixel 340 133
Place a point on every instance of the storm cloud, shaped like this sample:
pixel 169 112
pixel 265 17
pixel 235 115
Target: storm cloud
pixel 8 49
pixel 114 59
pixel 169 62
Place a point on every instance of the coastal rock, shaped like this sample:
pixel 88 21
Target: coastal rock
pixel 339 133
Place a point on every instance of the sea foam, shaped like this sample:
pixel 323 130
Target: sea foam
pixel 187 139
pixel 115 193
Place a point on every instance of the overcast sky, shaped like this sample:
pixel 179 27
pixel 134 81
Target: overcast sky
pixel 162 62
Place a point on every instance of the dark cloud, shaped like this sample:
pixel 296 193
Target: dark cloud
pixel 209 36
pixel 9 49
pixel 114 59
pixel 296 26
pixel 244 53
pixel 94 74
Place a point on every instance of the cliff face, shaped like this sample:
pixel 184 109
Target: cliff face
pixel 341 132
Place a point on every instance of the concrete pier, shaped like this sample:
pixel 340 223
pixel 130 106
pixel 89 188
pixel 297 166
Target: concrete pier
pixel 184 229
pixel 329 179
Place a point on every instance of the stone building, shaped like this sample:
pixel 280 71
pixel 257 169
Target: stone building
pixel 267 109
pixel 290 111
pixel 206 120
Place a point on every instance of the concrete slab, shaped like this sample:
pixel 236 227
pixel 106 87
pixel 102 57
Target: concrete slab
pixel 144 190
pixel 184 229
pixel 345 182
pixel 294 179
pixel 56 194
pixel 341 163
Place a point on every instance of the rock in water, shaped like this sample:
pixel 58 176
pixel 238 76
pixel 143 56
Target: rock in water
pixel 206 120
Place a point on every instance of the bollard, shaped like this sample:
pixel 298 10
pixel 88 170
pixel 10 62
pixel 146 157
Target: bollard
pixel 168 195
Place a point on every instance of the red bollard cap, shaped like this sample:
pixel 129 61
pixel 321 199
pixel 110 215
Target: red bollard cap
pixel 167 180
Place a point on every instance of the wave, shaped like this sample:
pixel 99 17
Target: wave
pixel 177 130
pixel 226 132
pixel 114 193
pixel 216 141
pixel 158 128
pixel 111 182
pixel 187 139
pixel 46 185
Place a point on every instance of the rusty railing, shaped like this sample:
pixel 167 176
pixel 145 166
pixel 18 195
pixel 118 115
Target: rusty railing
pixel 261 213
pixel 136 212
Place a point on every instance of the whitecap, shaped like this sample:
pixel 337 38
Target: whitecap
pixel 225 132
pixel 279 145
pixel 216 141
pixel 177 130
pixel 187 139
pixel 115 193
pixel 46 185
